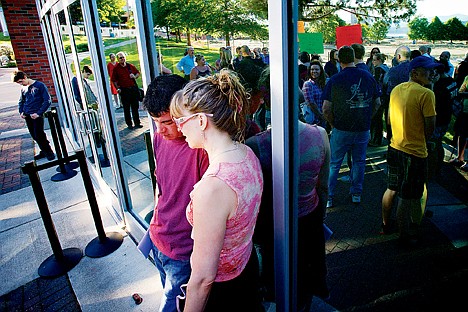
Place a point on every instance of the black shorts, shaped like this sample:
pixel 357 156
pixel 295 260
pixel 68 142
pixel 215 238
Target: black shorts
pixel 406 174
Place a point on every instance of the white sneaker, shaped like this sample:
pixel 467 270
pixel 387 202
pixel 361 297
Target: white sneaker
pixel 330 203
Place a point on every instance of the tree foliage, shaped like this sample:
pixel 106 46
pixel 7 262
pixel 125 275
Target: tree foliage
pixel 456 30
pixel 436 30
pixel 226 17
pixel 312 10
pixel 421 29
pixel 418 28
pixel 110 10
pixel 378 30
pixel 327 26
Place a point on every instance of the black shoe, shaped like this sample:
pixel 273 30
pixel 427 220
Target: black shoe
pixel 130 127
pixel 139 126
pixel 40 155
pixel 50 156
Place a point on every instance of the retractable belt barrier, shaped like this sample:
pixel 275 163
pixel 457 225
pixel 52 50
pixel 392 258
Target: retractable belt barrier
pixel 63 260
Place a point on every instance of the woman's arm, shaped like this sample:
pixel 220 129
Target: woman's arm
pixel 213 202
pixel 193 73
pixel 165 70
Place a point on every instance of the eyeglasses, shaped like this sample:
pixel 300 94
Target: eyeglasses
pixel 121 57
pixel 181 120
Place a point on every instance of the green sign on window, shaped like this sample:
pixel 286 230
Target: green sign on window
pixel 311 43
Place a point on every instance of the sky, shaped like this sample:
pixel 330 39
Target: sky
pixel 431 8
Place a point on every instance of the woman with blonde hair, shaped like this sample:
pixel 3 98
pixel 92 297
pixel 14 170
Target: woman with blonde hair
pixel 211 113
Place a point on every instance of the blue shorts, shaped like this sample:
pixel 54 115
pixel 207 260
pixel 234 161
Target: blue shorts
pixel 406 174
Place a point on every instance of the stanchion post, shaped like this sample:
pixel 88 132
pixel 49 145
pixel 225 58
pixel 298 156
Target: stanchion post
pixel 29 169
pixel 61 261
pixel 104 244
pixel 88 184
pixel 63 145
pixel 64 173
pixel 58 149
pixel 149 151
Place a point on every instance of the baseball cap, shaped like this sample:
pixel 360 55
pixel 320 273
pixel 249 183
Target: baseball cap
pixel 424 62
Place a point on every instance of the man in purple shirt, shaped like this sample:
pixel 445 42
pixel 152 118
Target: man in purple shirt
pixel 178 168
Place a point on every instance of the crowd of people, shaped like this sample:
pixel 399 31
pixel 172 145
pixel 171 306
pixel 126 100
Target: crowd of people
pixel 212 229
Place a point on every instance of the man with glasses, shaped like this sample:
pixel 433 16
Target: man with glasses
pixel 33 103
pixel 186 63
pixel 124 78
pixel 412 116
pixel 265 56
pixel 178 168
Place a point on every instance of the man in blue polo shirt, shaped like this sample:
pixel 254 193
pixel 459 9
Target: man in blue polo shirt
pixel 351 97
pixel 186 63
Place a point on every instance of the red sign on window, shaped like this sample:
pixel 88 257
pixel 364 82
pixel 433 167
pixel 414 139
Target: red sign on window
pixel 347 35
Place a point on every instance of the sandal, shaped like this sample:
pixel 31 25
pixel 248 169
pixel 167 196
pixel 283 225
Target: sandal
pixel 456 162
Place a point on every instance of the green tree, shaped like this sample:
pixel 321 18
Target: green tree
pixel 436 30
pixel 327 27
pixel 110 10
pixel 388 10
pixel 418 28
pixel 230 17
pixel 378 30
pixel 456 30
pixel 226 18
pixel 179 16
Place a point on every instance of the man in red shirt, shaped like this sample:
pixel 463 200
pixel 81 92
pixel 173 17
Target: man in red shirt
pixel 124 79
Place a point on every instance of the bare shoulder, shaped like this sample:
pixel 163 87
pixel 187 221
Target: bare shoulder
pixel 214 193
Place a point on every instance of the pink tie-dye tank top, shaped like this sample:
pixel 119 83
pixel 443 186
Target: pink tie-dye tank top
pixel 245 178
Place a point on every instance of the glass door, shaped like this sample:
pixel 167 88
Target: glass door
pixel 86 105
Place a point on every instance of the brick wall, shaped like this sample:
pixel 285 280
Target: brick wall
pixel 27 40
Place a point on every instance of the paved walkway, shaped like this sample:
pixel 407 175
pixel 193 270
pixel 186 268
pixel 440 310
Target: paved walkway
pixel 16 145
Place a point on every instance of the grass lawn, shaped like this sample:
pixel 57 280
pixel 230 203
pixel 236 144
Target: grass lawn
pixel 4 40
pixel 171 51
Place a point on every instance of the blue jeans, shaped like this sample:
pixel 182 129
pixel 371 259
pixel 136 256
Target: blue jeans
pixel 173 274
pixel 340 143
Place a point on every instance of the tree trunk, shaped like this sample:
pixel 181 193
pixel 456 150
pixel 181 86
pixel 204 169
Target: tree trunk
pixel 189 40
pixel 167 33
pixel 226 36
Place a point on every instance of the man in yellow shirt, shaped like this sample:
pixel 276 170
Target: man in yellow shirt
pixel 412 118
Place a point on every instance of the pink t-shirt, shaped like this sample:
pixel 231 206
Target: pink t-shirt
pixel 246 180
pixel 178 168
